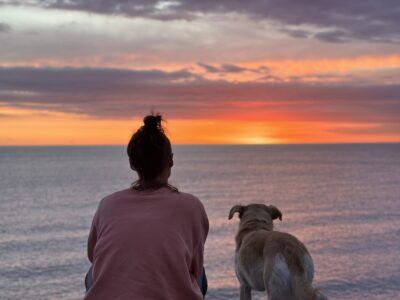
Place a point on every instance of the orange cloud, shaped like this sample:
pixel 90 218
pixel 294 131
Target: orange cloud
pixel 282 67
pixel 335 65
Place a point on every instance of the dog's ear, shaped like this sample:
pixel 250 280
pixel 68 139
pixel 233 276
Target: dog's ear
pixel 275 212
pixel 236 209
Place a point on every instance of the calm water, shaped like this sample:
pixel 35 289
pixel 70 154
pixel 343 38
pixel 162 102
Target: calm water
pixel 342 201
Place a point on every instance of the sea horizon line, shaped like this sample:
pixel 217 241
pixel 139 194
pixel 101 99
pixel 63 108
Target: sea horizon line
pixel 204 144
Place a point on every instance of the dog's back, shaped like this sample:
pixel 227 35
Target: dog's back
pixel 270 260
pixel 287 271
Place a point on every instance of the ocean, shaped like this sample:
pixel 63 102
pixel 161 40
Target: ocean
pixel 341 200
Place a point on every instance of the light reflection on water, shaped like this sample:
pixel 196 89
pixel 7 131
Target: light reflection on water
pixel 342 201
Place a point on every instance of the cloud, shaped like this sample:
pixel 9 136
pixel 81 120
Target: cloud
pixel 231 68
pixel 119 93
pixel 5 28
pixel 327 77
pixel 209 68
pixel 389 128
pixel 296 33
pixel 326 20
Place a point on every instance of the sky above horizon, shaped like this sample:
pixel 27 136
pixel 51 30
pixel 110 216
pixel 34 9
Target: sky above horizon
pixel 246 72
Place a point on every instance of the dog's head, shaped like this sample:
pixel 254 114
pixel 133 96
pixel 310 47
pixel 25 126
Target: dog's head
pixel 256 213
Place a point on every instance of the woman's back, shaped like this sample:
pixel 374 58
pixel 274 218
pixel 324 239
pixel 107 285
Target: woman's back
pixel 147 245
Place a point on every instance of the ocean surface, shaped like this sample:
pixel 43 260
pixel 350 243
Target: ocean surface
pixel 342 201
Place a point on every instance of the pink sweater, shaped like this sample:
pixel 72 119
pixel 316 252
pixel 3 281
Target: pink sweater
pixel 147 245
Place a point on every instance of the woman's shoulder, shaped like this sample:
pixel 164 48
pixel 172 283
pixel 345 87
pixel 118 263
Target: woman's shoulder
pixel 192 203
pixel 188 198
pixel 183 199
pixel 195 210
pixel 115 196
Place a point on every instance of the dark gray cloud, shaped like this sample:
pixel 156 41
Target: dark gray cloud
pixel 333 36
pixel 296 33
pixel 333 21
pixel 209 68
pixel 82 79
pixel 115 93
pixel 326 77
pixel 230 68
pixel 4 27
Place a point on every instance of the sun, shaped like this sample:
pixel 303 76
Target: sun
pixel 256 140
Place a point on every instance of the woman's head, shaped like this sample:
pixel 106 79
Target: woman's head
pixel 150 154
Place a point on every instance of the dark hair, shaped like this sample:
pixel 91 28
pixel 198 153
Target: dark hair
pixel 149 151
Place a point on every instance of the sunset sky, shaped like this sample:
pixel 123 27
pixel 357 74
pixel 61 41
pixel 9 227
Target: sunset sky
pixel 220 71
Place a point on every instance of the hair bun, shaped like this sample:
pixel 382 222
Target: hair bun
pixel 153 122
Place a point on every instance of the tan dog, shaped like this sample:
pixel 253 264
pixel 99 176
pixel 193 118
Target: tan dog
pixel 269 260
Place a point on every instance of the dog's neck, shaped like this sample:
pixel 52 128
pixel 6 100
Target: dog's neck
pixel 251 226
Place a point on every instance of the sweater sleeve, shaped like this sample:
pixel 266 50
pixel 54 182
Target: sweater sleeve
pixel 200 239
pixel 92 238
